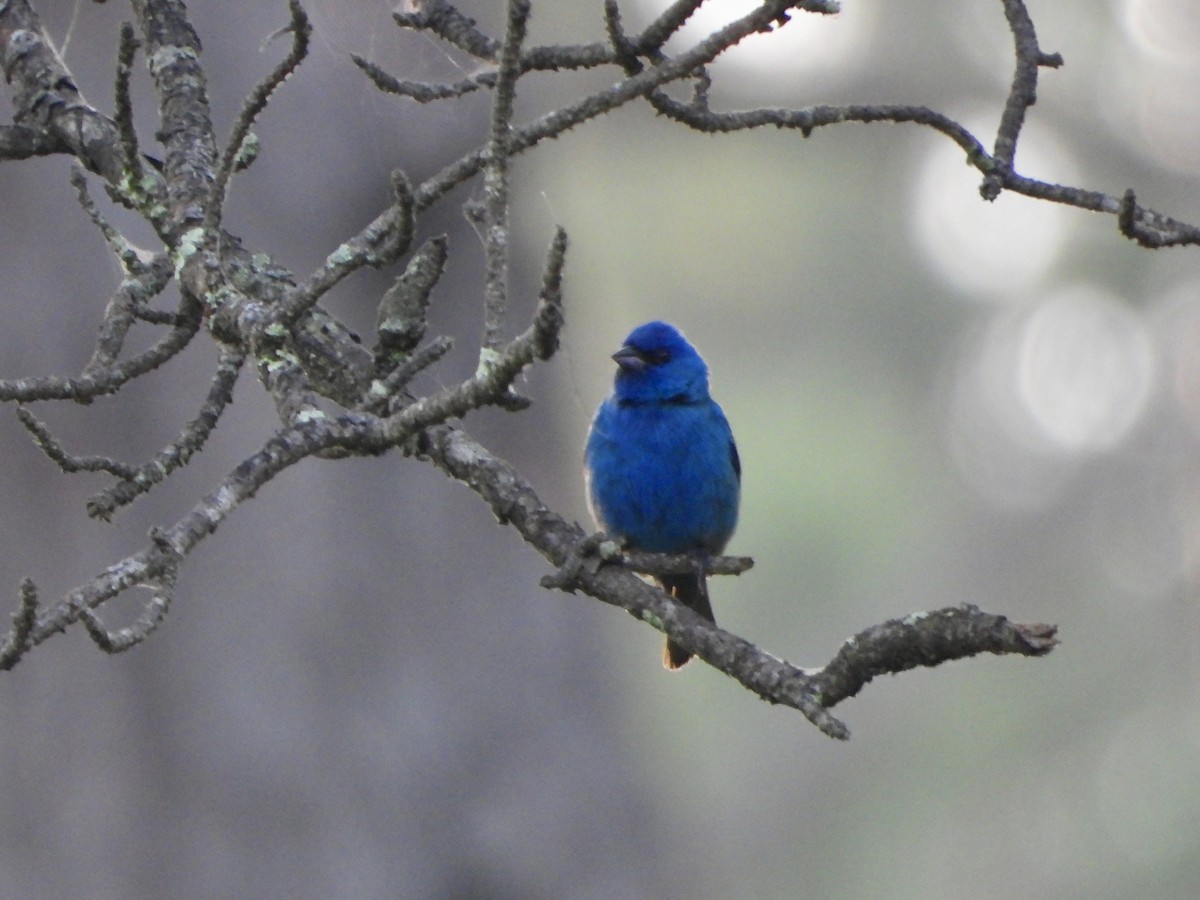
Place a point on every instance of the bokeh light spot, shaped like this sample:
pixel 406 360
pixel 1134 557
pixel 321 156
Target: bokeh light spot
pixel 1044 386
pixel 1149 98
pixel 992 250
pixel 1001 456
pixel 808 43
pixel 1086 368
pixel 1168 30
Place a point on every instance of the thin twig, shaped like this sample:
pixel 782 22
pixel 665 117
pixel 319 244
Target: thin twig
pixel 127 48
pixel 125 251
pixel 420 91
pixel 386 396
pixel 127 305
pixel 64 460
pixel 121 639
pixel 301 30
pixel 96 384
pixel 139 480
pixel 452 26
pixel 380 243
pixel 17 641
pixel 1021 96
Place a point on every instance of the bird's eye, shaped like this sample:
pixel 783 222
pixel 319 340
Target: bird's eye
pixel 657 357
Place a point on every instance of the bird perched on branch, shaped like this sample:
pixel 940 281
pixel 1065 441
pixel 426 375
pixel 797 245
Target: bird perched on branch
pixel 662 470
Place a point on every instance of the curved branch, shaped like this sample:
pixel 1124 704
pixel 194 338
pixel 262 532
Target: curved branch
pixel 95 384
pixel 122 639
pixel 923 639
pixel 137 481
pixel 301 30
pixel 58 455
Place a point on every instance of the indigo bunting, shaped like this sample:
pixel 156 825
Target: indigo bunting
pixel 662 470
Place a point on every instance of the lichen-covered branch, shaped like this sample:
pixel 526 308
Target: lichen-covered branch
pixel 133 482
pixel 494 218
pixel 235 154
pixel 923 639
pixel 185 121
pixel 333 396
pixel 68 462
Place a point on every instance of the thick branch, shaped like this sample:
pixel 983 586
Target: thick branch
pixel 46 99
pixel 925 639
pixel 173 55
pixel 23 142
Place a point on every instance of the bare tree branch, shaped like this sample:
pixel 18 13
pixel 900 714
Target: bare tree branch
pixel 922 639
pixel 64 460
pixel 235 149
pixel 333 396
pixel 136 481
pixel 1021 96
pixel 120 640
pixel 17 641
pixel 495 182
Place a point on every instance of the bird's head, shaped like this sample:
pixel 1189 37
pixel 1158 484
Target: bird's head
pixel 656 364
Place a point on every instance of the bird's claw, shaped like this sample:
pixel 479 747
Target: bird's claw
pixel 589 554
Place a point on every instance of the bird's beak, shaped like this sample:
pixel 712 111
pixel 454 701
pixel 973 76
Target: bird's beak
pixel 629 359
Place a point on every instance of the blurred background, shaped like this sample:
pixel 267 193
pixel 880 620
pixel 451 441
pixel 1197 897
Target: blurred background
pixel 361 691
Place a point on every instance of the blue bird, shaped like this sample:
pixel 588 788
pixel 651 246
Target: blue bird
pixel 662 470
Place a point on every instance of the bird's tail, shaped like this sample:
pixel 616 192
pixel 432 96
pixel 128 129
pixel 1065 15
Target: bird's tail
pixel 692 592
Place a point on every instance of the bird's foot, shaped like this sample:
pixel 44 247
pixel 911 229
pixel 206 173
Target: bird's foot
pixel 587 555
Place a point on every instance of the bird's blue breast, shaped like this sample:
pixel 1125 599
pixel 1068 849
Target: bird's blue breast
pixel 663 476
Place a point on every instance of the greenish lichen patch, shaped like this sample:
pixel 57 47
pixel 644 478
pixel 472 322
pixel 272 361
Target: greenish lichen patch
pixel 344 255
pixel 278 359
pixel 489 358
pixel 190 243
pixel 248 152
pixel 652 620
pixel 610 551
